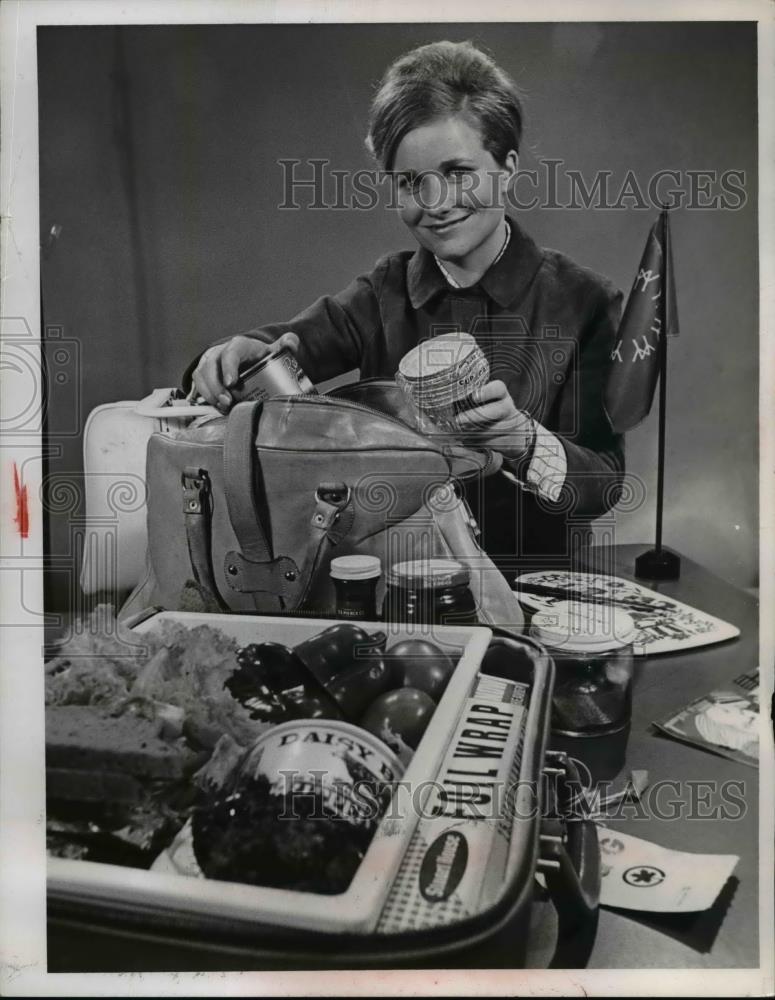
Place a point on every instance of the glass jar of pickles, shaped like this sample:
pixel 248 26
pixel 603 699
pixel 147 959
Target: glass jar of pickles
pixel 591 645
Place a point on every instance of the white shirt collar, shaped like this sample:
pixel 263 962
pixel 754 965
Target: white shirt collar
pixel 456 284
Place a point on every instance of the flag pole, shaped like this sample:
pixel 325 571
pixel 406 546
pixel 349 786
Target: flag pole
pixel 658 563
pixel 662 379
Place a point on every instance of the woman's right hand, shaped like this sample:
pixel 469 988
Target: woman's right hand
pixel 218 368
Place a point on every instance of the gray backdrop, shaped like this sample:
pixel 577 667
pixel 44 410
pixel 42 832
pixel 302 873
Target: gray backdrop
pixel 158 159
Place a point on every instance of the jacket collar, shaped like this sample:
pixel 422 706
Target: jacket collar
pixel 505 281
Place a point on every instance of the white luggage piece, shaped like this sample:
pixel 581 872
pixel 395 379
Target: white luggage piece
pixel 114 445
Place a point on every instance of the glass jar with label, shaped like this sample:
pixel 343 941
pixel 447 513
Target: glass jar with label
pixel 355 581
pixel 430 592
pixel 591 645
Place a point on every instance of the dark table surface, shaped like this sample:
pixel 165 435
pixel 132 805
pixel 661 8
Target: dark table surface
pixel 725 936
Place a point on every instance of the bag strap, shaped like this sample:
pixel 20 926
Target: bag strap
pixel 239 468
pixel 273 582
pixel 331 522
pixel 197 513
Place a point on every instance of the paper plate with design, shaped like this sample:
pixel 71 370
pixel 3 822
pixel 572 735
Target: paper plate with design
pixel 663 624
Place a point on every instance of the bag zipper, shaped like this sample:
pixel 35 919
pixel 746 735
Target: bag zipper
pixel 490 460
pixel 330 400
pixel 491 463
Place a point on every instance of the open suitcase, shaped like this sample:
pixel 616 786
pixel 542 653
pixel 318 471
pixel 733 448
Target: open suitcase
pixel 158 919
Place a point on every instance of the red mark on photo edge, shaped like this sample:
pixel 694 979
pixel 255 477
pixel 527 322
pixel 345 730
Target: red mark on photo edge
pixel 22 518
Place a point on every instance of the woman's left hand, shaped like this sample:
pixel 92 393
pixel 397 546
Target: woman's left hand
pixel 495 422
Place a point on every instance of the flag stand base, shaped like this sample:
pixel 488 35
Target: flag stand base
pixel 658 565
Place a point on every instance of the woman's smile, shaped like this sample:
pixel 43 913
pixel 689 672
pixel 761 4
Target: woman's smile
pixel 443 227
pixel 451 193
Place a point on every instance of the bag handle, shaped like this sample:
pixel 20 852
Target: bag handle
pixel 239 468
pixel 273 582
pixel 573 873
pixel 162 403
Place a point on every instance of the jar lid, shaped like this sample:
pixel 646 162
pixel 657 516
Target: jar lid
pixel 583 628
pixel 355 567
pixel 437 357
pixel 424 573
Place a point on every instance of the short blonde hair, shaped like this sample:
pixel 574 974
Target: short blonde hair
pixel 442 79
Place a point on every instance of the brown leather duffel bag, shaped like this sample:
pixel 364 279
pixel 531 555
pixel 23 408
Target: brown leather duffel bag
pixel 246 512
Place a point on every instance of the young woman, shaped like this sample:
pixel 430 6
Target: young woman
pixel 447 124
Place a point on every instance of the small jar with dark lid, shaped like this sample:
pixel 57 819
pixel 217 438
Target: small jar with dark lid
pixel 355 580
pixel 591 646
pixel 430 591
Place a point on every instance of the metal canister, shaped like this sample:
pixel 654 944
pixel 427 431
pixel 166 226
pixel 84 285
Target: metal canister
pixel 276 374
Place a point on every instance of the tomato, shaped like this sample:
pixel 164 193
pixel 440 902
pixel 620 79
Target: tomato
pixel 422 665
pixel 405 712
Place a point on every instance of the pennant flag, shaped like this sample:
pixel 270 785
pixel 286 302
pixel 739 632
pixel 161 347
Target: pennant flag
pixel 635 356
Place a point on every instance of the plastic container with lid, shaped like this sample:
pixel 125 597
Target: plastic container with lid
pixel 591 645
pixel 440 374
pixel 355 581
pixel 430 592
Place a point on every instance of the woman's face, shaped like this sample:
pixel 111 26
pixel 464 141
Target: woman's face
pixel 450 189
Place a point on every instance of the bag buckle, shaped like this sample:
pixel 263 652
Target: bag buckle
pixel 334 513
pixel 196 489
